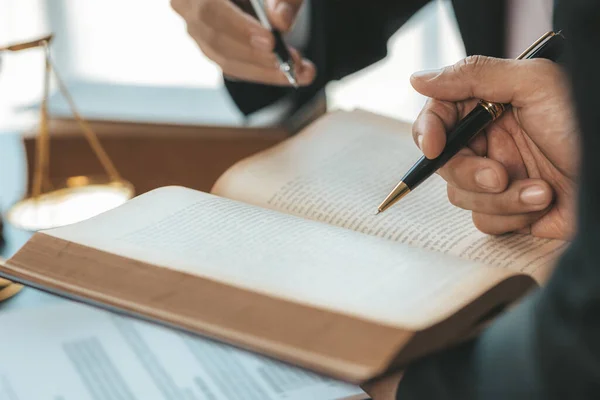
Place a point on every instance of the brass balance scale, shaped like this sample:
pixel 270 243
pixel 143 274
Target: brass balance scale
pixel 75 198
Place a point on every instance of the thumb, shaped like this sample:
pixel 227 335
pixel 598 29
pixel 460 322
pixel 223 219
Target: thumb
pixel 492 79
pixel 282 13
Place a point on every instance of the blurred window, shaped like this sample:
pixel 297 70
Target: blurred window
pixel 140 43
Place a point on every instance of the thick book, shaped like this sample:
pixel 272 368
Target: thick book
pixel 287 258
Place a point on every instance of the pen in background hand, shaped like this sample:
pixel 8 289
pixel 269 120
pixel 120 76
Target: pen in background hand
pixel 284 58
pixel 548 46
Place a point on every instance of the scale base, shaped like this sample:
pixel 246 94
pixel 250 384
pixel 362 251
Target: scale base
pixel 76 199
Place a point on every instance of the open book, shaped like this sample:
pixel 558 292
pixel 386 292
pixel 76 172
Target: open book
pixel 286 257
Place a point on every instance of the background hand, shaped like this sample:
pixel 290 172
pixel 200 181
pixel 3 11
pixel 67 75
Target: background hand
pixel 519 174
pixel 238 43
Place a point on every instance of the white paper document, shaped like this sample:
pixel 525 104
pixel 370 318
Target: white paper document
pixel 74 352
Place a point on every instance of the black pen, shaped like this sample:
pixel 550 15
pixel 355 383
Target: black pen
pixel 548 46
pixel 284 58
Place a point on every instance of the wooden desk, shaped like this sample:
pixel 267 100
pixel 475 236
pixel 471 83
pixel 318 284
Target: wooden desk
pixel 151 156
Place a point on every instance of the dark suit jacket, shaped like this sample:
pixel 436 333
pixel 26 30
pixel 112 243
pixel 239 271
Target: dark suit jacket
pixel 549 347
pixel 348 35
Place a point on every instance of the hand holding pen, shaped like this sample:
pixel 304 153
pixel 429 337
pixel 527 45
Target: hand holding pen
pixel 484 113
pixel 519 173
pixel 230 34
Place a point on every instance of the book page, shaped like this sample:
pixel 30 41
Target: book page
pixel 340 169
pixel 286 256
pixel 70 351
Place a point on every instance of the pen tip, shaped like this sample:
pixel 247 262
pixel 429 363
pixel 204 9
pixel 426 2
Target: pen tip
pixel 293 80
pixel 288 70
pixel 399 192
pixel 378 212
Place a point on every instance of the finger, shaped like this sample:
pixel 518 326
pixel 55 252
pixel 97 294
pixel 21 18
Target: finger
pixel 305 67
pixel 282 13
pixel 430 127
pixel 180 6
pixel 435 121
pixel 227 18
pixel 223 49
pixel 471 173
pixel 296 56
pixel 218 26
pixel 500 224
pixel 523 196
pixel 305 73
pixel 498 80
pixel 479 144
pixel 502 148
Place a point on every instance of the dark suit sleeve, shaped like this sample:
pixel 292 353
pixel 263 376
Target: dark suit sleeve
pixel 548 347
pixel 345 36
pixel 482 26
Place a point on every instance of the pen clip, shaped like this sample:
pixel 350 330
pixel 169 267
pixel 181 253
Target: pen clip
pixel 537 44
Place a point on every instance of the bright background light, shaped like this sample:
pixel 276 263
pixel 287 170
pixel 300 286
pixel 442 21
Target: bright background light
pixel 140 42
